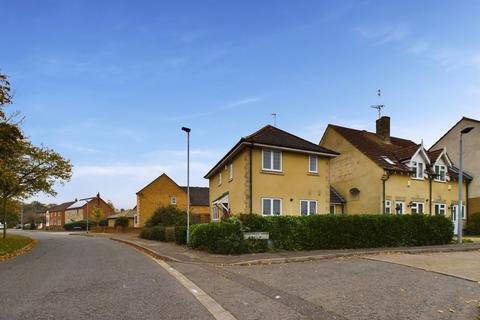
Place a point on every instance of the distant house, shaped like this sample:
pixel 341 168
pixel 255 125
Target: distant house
pixel 163 192
pixel 77 210
pixel 379 173
pixel 471 156
pixel 273 172
pixel 130 214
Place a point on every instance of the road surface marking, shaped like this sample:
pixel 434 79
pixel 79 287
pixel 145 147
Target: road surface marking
pixel 217 311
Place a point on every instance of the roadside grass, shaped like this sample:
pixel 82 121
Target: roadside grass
pixel 13 244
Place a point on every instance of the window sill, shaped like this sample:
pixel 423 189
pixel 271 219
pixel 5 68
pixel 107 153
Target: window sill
pixel 313 174
pixel 418 179
pixel 280 173
pixel 440 181
pixel 230 180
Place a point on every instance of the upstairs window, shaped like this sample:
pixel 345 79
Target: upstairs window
pixel 272 160
pixel 417 207
pixel 173 201
pixel 312 164
pixel 440 173
pixel 308 207
pixel 230 171
pixel 418 168
pixel 271 206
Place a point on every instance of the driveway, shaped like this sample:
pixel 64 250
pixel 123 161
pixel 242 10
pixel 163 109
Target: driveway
pixel 77 277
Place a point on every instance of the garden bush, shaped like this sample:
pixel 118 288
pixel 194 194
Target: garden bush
pixel 473 224
pixel 103 223
pixel 219 237
pixel 77 225
pixel 181 235
pixel 167 216
pixel 153 233
pixel 170 234
pixel 121 222
pixel 322 232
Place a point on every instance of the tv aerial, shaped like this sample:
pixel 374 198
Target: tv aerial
pixel 379 107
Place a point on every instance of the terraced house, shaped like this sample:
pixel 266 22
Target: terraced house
pixel 271 172
pixel 378 173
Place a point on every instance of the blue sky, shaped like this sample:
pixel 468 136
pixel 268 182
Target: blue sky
pixel 109 84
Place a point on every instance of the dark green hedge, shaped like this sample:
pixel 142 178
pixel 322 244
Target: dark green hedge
pixel 473 225
pixel 322 232
pixel 121 222
pixel 77 225
pixel 161 233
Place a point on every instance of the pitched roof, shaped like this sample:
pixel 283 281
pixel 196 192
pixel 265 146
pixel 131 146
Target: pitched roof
pixel 275 137
pixel 61 207
pixel 199 196
pixel 433 155
pixel 335 197
pixel 79 203
pixel 127 213
pixel 378 150
pixel 449 130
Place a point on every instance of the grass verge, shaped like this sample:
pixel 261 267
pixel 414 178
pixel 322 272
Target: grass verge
pixel 14 245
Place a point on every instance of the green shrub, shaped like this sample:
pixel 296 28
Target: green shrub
pixel 77 225
pixel 167 216
pixel 103 223
pixel 220 237
pixel 322 232
pixel 170 234
pixel 473 224
pixel 153 233
pixel 181 235
pixel 121 222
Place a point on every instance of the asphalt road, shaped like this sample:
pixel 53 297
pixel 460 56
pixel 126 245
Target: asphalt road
pixel 77 277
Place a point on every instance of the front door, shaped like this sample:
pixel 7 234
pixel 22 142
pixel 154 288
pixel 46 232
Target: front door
pixel 455 219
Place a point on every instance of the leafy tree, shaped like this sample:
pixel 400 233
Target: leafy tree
pixel 97 214
pixel 25 169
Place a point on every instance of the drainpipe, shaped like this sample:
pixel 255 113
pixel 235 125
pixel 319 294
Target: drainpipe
pixel 466 202
pixel 430 196
pixel 384 178
pixel 250 177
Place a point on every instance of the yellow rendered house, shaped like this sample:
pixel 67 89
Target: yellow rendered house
pixel 378 173
pixel 163 192
pixel 271 172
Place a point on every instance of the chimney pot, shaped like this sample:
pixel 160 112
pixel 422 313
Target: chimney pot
pixel 383 128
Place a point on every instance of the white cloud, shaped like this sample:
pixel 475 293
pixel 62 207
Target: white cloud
pixel 384 35
pixel 228 106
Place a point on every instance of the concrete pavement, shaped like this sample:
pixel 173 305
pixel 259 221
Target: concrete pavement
pixel 74 277
pixel 465 265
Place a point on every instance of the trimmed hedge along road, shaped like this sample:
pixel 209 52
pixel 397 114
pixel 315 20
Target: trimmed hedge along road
pixel 321 232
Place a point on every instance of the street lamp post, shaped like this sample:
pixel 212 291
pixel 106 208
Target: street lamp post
pixel 460 185
pixel 187 130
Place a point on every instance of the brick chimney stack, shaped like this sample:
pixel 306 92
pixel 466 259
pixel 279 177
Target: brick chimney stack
pixel 383 128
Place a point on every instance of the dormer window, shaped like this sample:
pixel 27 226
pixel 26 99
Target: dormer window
pixel 440 173
pixel 417 169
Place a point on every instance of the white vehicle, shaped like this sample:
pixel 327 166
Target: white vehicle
pixel 1 226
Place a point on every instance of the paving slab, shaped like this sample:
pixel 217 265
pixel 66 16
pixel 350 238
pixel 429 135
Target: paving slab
pixel 465 265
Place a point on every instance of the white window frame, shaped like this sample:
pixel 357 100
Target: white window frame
pixel 272 151
pixel 173 200
pixel 402 203
pixel 271 207
pixel 454 208
pixel 388 206
pixel 230 171
pixel 416 204
pixel 441 207
pixel 310 158
pixel 219 178
pixel 308 207
pixel 215 213
pixel 437 175
pixel 418 174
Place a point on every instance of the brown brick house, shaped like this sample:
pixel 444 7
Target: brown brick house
pixel 77 210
